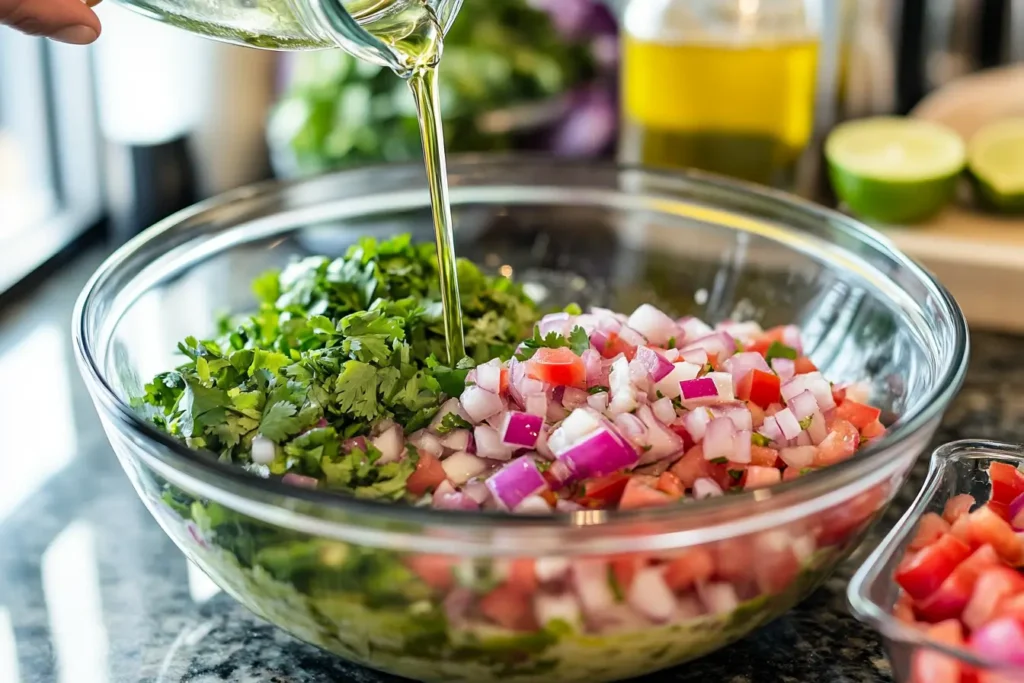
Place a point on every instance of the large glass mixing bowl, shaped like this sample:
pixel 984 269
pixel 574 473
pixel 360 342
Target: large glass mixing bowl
pixel 396 587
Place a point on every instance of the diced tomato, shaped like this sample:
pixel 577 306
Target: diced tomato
pixel 557 367
pixel 640 493
pixel 669 483
pixel 904 609
pixel 762 456
pixel 929 666
pixel 949 601
pixel 509 608
pixel 989 527
pixel 692 466
pixel 760 387
pixel 1011 606
pixel 857 414
pixel 624 569
pixel 1002 510
pixel 803 365
pixel 929 529
pixel 759 345
pixel 503 382
pixel 522 575
pixel 435 570
pixel 776 566
pixel 695 565
pixel 791 473
pixel 957 507
pixel 549 496
pixel 756 415
pixel 922 573
pixel 428 475
pixel 615 345
pixel 873 430
pixel 838 395
pixel 995 585
pixel 840 444
pixel 735 559
pixel 1007 482
pixel 760 477
pixel 961 528
pixel 606 490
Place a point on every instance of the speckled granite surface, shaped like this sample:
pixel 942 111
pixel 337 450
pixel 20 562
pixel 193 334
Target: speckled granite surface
pixel 91 591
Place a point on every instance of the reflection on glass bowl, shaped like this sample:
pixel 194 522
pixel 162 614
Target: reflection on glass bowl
pixel 348 575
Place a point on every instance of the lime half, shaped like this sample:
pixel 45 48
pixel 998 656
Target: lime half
pixel 894 170
pixel 995 155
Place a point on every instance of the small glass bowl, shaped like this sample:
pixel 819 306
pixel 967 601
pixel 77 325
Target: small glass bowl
pixel 402 588
pixel 956 468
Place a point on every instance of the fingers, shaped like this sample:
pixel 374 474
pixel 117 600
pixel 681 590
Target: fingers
pixel 69 21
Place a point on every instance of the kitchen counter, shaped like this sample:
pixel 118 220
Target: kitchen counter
pixel 92 591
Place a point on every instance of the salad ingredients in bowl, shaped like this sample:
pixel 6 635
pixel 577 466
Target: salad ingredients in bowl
pixel 590 495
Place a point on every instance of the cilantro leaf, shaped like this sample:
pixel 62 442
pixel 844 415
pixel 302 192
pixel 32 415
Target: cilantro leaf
pixel 578 340
pixel 779 350
pixel 450 422
pixel 357 390
pixel 758 439
pixel 279 421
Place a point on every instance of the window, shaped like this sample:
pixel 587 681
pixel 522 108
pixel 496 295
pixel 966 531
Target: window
pixel 50 192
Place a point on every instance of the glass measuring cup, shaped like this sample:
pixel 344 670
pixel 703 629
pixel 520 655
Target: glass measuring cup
pixel 369 29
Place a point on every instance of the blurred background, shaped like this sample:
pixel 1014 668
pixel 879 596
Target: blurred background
pixel 100 142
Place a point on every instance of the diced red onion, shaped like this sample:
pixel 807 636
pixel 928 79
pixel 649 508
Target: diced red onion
pixel 651 596
pixel 803 405
pixel 550 569
pixel 498 419
pixel 631 427
pixel 515 482
pixel 597 372
pixel 654 364
pixel 718 439
pixel 813 382
pixel 580 423
pixel 771 430
pixel 662 442
pixel 739 413
pixel 742 364
pixel 706 488
pixel 489 444
pixel 598 340
pixel 817 431
pixel 477 490
pixel 692 328
pixel 590 579
pixel 598 454
pixel 798 456
pixel 859 392
pixel 537 404
pixel 488 376
pixel 702 387
pixel 598 401
pixel 1000 640
pixel 588 321
pixel 630 336
pixel 533 505
pixel 671 355
pixel 803 439
pixel 681 372
pixel 696 423
pixel 263 450
pixel 719 344
pixel 741 447
pixel 542 445
pixel 718 598
pixel 573 398
pixel 563 607
pixel 785 368
pixel 555 413
pixel 791 338
pixel 559 323
pixel 457 500
pixel 609 317
pixel 458 440
pixel 452 405
pixel 390 444
pixel 712 389
pixel 744 331
pixel 521 429
pixel 426 442
pixel 653 324
pixel 697 356
pixel 457 603
pixel 788 423
pixel 461 467
pixel 1017 513
pixel 623 393
pixel 664 410
pixel 300 480
pixel 563 505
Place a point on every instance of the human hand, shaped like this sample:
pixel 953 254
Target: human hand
pixel 68 21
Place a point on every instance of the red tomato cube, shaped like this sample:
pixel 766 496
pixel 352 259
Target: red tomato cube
pixel 988 527
pixel 669 484
pixel 760 477
pixel 760 387
pixel 929 666
pixel 929 529
pixel 922 573
pixel 857 414
pixel 957 507
pixel 437 571
pixel 557 367
pixel 693 566
pixel 642 494
pixel 428 475
pixel 507 607
pixel 840 444
pixel 993 586
pixel 1007 482
pixel 949 601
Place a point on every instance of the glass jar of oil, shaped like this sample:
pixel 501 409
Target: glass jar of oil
pixel 726 86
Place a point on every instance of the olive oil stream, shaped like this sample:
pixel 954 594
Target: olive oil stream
pixel 410 28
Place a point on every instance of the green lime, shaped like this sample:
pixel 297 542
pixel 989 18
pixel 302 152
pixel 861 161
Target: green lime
pixel 995 156
pixel 894 170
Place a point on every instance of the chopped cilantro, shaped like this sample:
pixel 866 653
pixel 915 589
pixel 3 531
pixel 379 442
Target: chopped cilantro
pixel 806 422
pixel 719 461
pixel 671 343
pixel 806 470
pixel 597 390
pixel 758 439
pixel 578 341
pixel 780 350
pixel 573 309
pixel 736 475
pixel 450 422
pixel 616 587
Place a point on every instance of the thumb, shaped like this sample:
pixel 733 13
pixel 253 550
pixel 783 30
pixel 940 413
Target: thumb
pixel 69 21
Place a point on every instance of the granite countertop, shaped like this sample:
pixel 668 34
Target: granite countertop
pixel 92 591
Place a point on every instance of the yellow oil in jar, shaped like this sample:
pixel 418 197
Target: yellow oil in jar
pixel 740 108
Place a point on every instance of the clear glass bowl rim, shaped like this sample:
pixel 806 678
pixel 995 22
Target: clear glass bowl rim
pixel 871 572
pixel 821 488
